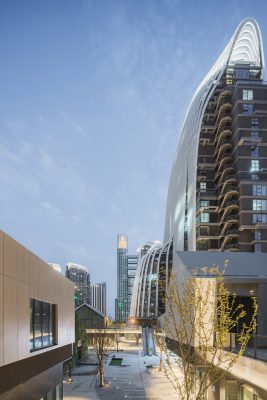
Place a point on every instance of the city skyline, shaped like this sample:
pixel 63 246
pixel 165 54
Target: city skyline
pixel 92 105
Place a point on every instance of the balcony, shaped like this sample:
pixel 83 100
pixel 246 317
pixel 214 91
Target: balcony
pixel 221 136
pixel 231 247
pixel 231 180
pixel 225 123
pixel 228 193
pixel 231 233
pixel 231 219
pixel 248 140
pixel 229 206
pixel 228 236
pixel 225 110
pixel 224 97
pixel 230 222
pixel 227 159
pixel 225 147
pixel 256 347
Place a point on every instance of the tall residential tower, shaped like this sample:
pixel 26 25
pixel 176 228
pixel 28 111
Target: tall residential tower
pixel 217 196
pixel 121 303
pixel 79 275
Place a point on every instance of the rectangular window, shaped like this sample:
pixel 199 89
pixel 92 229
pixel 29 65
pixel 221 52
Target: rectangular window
pixel 259 190
pixel 203 186
pixel 205 217
pixel 255 177
pixel 257 235
pixel 255 166
pixel 242 74
pixel 247 109
pixel 257 247
pixel 259 205
pixel 42 324
pixel 254 152
pixel 254 122
pixel 255 136
pixel 204 203
pixel 259 218
pixel 247 94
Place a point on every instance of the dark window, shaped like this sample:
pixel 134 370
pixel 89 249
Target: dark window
pixel 247 109
pixel 242 74
pixel 42 325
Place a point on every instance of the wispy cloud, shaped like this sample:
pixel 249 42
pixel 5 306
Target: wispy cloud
pixel 73 124
pixel 76 253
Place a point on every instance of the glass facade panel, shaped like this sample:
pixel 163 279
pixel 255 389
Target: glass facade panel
pixel 259 218
pixel 37 326
pixel 246 394
pixel 259 205
pixel 255 152
pixel 205 217
pixel 247 94
pixel 255 166
pixel 259 190
pixel 247 109
pixel 42 324
pixel 203 186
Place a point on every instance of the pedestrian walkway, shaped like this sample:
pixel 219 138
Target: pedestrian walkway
pixel 129 381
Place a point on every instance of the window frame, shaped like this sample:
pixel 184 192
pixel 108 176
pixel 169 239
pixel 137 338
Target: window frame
pixel 47 325
pixel 247 94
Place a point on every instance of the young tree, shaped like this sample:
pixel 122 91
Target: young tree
pixel 102 342
pixel 201 312
pixel 117 339
pixel 81 340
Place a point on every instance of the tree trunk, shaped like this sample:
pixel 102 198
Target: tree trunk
pixel 101 376
pixel 160 364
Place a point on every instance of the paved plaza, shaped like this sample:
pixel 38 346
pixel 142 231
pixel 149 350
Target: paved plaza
pixel 128 381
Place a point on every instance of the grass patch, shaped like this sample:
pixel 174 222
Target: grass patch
pixel 116 361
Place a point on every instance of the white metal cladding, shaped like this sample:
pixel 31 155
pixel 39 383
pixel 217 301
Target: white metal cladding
pixel 141 283
pixel 244 47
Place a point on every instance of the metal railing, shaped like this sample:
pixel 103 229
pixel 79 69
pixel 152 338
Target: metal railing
pixel 256 347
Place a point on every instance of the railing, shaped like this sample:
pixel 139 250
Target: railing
pixel 233 246
pixel 256 347
pixel 232 218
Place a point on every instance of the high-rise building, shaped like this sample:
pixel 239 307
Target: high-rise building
pixel 81 278
pixel 132 266
pixel 218 185
pixel 121 303
pixel 217 196
pixel 98 292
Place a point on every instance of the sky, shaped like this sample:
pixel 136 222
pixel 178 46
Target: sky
pixel 93 95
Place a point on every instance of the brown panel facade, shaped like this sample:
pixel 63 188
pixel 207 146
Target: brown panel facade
pixel 19 372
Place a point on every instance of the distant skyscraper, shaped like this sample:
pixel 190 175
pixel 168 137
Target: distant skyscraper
pixel 121 302
pixel 132 266
pixel 79 275
pixel 99 296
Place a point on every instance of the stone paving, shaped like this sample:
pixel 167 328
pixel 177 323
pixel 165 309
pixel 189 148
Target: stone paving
pixel 128 381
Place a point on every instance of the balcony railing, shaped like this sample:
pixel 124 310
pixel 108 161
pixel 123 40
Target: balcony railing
pixel 231 247
pixel 256 347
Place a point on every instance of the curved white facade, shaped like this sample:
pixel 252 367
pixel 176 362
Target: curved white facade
pixel 244 47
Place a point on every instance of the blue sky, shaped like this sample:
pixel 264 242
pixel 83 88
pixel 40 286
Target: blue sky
pixel 93 95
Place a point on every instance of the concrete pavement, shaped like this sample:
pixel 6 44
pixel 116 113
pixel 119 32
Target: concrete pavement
pixel 128 381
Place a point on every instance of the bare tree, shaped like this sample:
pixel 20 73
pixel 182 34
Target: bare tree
pixel 200 315
pixel 102 342
pixel 117 339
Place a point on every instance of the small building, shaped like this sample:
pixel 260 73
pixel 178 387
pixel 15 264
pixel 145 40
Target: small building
pixel 36 324
pixel 90 317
